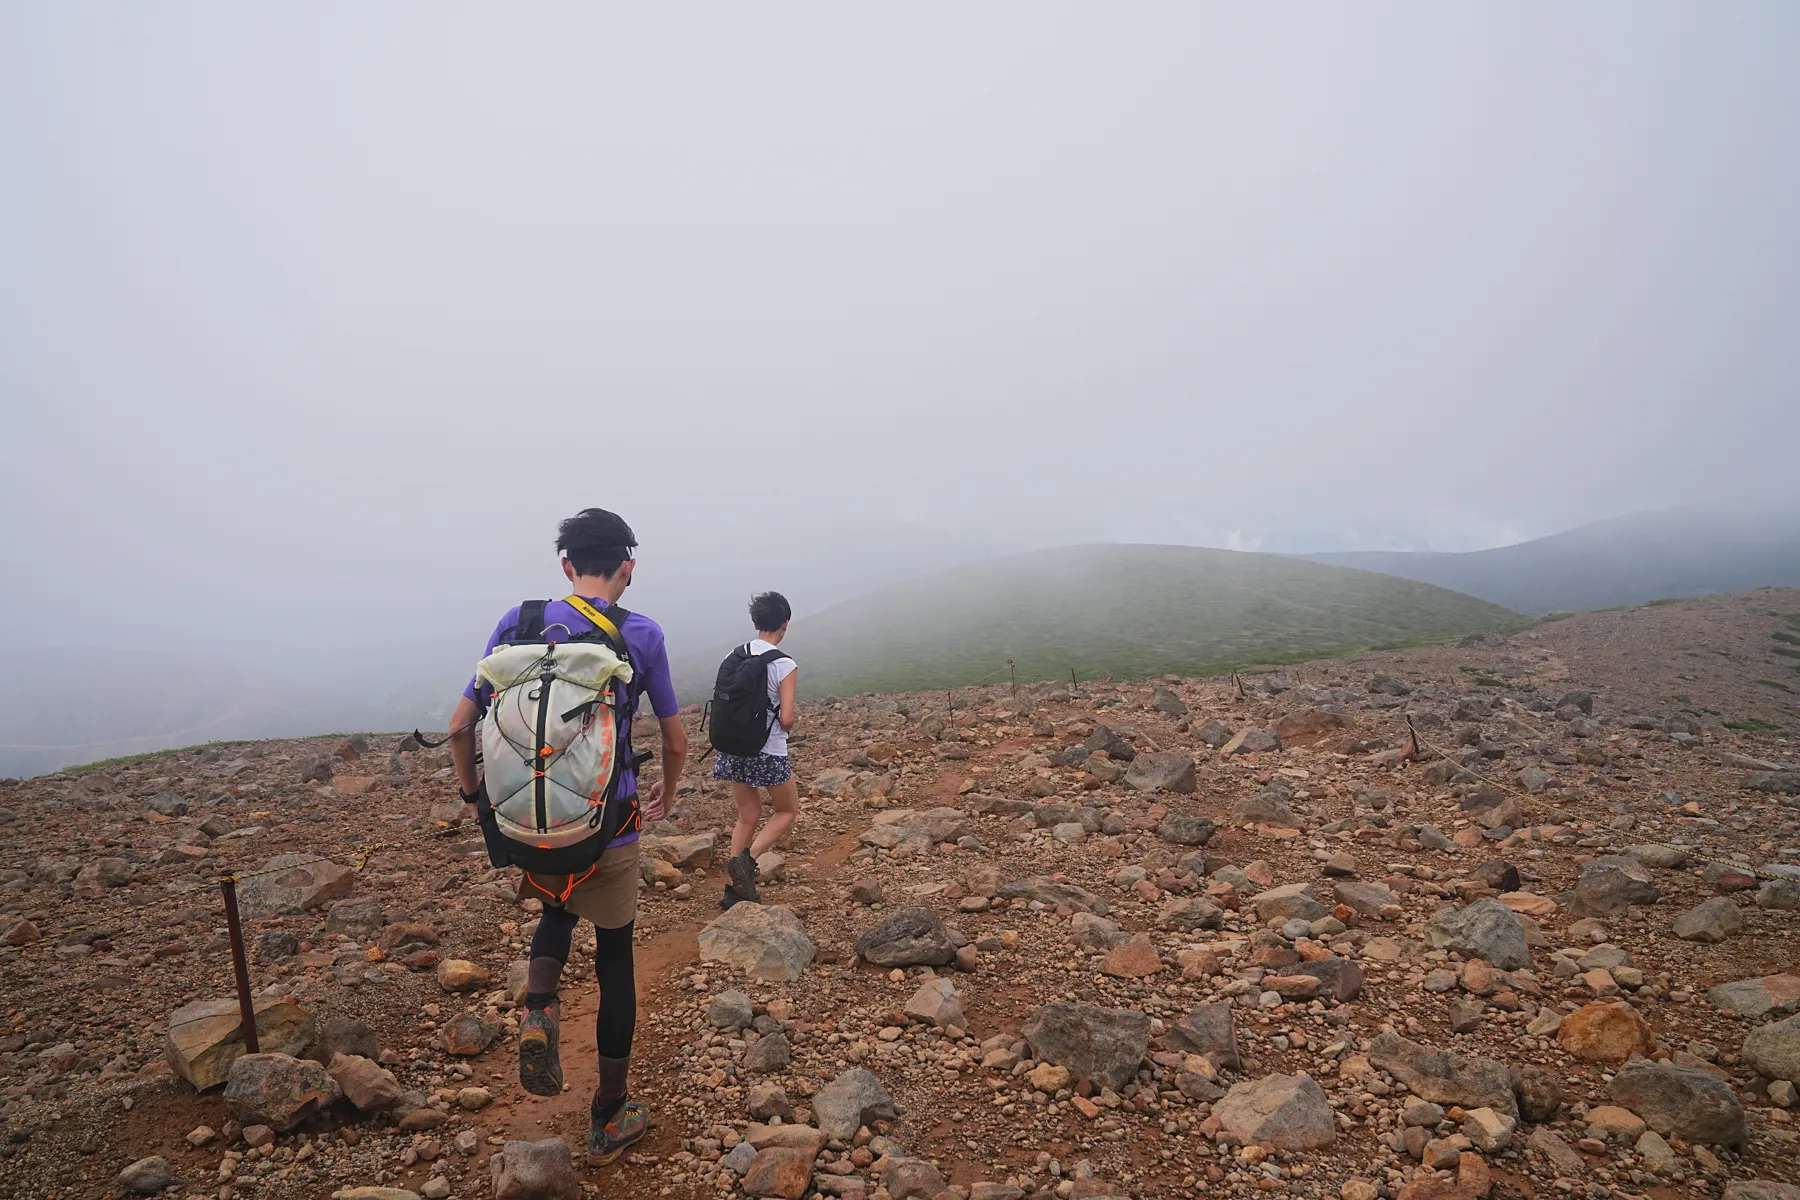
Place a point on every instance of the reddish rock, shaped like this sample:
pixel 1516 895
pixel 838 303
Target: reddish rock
pixel 1135 959
pixel 1610 1032
pixel 779 1171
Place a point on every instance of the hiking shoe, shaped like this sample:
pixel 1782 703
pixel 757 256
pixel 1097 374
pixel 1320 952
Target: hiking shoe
pixel 606 1142
pixel 540 1066
pixel 730 898
pixel 743 875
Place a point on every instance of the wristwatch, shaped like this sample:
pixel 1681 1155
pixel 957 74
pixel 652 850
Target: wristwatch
pixel 469 797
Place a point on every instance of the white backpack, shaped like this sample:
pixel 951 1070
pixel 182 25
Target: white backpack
pixel 551 749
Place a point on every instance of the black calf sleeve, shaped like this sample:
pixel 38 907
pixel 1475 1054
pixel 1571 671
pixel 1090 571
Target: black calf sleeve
pixel 617 1020
pixel 555 930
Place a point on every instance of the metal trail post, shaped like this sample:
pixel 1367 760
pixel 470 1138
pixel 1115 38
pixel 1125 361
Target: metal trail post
pixel 1415 738
pixel 1072 682
pixel 239 964
pixel 1014 672
pixel 1240 684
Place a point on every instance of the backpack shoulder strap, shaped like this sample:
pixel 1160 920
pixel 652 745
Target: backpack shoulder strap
pixel 606 622
pixel 769 656
pixel 531 622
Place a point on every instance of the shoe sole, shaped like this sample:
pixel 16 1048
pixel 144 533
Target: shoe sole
pixel 538 1073
pixel 743 877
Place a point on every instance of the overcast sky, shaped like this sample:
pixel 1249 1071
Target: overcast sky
pixel 317 317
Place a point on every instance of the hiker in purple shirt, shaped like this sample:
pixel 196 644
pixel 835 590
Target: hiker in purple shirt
pixel 596 548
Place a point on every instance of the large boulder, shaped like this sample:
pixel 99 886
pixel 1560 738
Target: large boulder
pixel 852 1100
pixel 910 937
pixel 206 1036
pixel 1610 884
pixel 535 1171
pixel 1757 998
pixel 277 1090
pixel 1290 1112
pixel 1685 1102
pixel 1774 1049
pixel 307 882
pixel 1444 1077
pixel 764 941
pixel 1161 771
pixel 1102 1044
pixel 1486 929
pixel 1760 1189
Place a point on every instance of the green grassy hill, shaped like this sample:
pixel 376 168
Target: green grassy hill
pixel 1125 611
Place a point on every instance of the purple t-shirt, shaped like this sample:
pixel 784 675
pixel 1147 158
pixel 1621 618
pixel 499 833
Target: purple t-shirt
pixel 649 662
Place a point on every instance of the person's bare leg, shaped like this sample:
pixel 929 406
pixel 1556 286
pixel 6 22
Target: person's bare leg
pixel 749 809
pixel 784 798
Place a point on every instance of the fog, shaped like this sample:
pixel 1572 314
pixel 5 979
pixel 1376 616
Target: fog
pixel 317 318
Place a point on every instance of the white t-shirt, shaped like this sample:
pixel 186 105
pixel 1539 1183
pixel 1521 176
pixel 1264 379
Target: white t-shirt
pixel 779 669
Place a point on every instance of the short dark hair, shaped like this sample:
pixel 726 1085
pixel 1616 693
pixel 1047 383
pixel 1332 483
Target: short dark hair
pixel 770 611
pixel 595 541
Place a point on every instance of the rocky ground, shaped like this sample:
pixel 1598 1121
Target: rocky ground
pixel 1121 939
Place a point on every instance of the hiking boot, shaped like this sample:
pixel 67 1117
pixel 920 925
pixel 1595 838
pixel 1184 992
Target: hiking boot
pixel 540 1066
pixel 731 897
pixel 743 874
pixel 606 1142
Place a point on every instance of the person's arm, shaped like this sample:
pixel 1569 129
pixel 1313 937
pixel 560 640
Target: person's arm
pixel 462 747
pixel 674 758
pixel 659 686
pixel 790 708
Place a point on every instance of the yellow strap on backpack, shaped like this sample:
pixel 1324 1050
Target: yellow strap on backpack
pixel 595 615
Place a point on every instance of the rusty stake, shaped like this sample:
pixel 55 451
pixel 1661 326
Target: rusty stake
pixel 239 964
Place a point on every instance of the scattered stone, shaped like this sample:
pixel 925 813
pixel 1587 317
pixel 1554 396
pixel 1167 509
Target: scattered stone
pixel 1758 998
pixel 1445 1077
pixel 1486 929
pixel 909 937
pixel 1539 1093
pixel 1684 1102
pixel 1774 1050
pixel 366 1084
pixel 1710 921
pixel 307 883
pixel 764 941
pixel 1186 831
pixel 277 1090
pixel 779 1171
pixel 769 1054
pixel 1610 1032
pixel 1133 959
pixel 1290 1112
pixel 1161 771
pixel 1104 1045
pixel 1208 1030
pixel 1288 902
pixel 852 1100
pixel 936 1003
pixel 205 1037
pixel 461 975
pixel 534 1171
pixel 730 1010
pixel 1610 884
pixel 147 1176
pixel 467 1035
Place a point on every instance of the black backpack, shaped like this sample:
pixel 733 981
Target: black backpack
pixel 740 713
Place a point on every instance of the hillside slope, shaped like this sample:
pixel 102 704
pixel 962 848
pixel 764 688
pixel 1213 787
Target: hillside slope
pixel 1626 560
pixel 1126 611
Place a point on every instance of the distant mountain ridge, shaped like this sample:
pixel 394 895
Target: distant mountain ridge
pixel 1690 551
pixel 1128 611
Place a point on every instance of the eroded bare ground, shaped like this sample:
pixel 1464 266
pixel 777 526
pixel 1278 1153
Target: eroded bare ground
pixel 1029 850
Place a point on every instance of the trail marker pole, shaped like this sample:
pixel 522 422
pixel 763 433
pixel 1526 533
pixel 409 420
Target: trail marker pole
pixel 1014 672
pixel 1072 682
pixel 950 702
pixel 1240 684
pixel 1415 738
pixel 239 965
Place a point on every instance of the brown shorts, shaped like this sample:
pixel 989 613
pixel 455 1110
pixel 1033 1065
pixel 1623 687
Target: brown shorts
pixel 607 895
